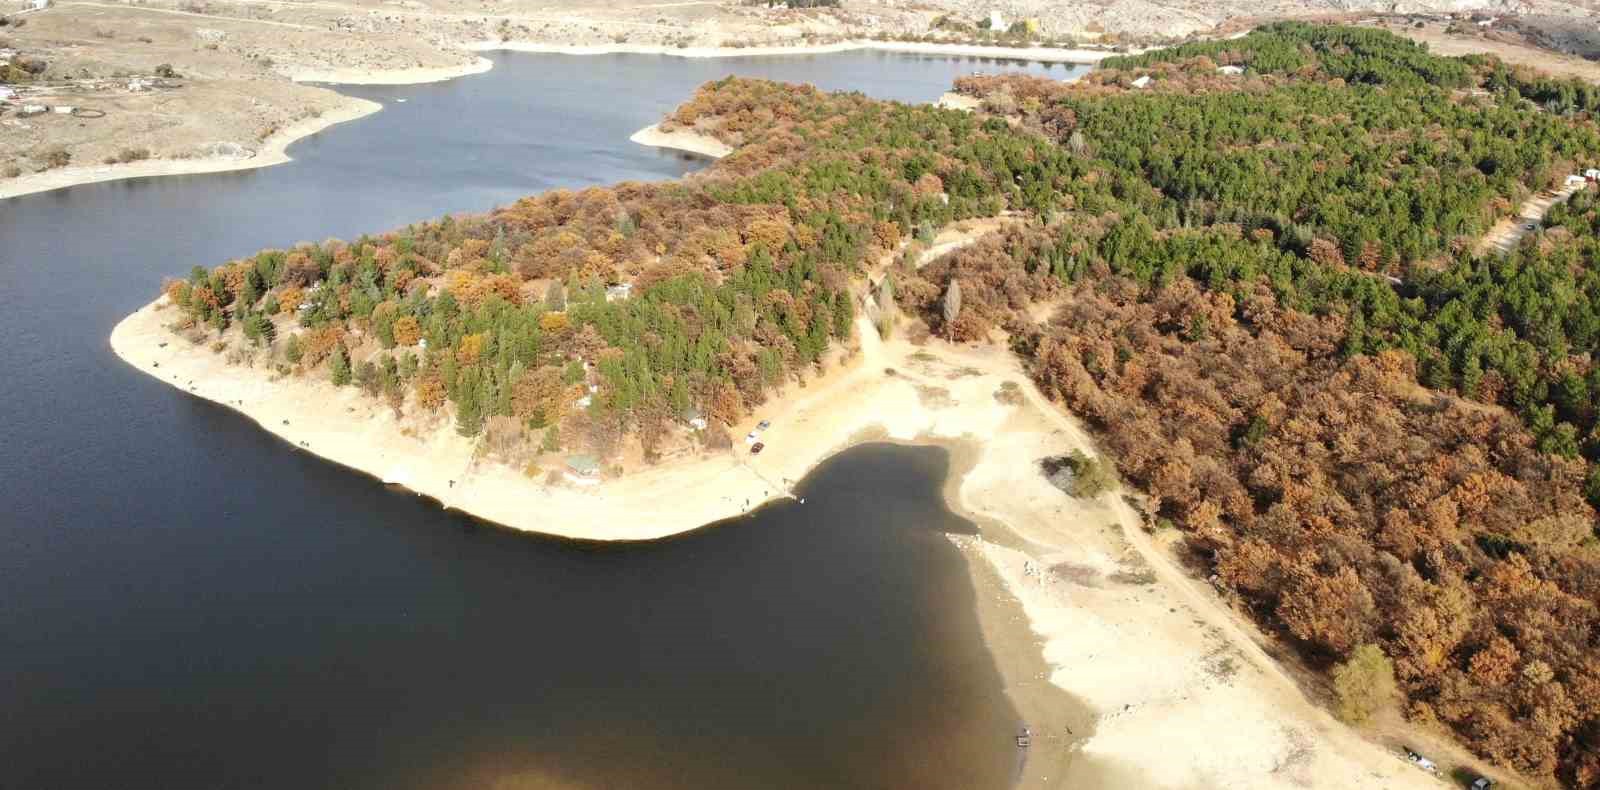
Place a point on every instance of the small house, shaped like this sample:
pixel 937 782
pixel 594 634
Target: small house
pixel 1592 174
pixel 996 21
pixel 583 469
pixel 38 5
pixel 1231 71
pixel 64 109
pixel 1576 180
pixel 1142 81
pixel 694 419
pixel 33 109
pixel 619 291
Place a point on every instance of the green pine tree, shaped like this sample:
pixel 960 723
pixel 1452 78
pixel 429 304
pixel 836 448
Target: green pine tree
pixel 339 366
pixel 469 408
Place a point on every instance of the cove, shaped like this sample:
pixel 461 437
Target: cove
pixel 187 602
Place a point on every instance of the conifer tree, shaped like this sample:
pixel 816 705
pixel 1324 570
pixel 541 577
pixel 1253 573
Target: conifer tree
pixel 339 366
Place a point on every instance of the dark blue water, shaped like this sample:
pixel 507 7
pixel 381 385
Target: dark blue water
pixel 187 602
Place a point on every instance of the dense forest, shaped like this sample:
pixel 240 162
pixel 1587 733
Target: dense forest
pixel 1263 294
pixel 1281 334
pixel 732 283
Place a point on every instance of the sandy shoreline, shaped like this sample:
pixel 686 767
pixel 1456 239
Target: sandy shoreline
pixel 1040 54
pixel 347 428
pixel 411 76
pixel 273 151
pixel 1181 695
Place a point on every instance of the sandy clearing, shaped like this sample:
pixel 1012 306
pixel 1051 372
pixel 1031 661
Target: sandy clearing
pixel 682 140
pixel 951 100
pixel 273 151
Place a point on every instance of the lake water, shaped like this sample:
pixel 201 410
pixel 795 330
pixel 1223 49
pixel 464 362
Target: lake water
pixel 187 602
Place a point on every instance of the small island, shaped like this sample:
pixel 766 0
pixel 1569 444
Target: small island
pixel 1253 268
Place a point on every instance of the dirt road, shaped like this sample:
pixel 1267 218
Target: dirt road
pixel 1507 233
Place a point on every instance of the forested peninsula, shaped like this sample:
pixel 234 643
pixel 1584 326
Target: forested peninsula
pixel 1250 266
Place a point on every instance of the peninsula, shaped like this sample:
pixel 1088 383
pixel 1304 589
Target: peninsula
pixel 1251 267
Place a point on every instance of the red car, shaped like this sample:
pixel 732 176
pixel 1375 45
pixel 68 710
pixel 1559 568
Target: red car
pixel 756 448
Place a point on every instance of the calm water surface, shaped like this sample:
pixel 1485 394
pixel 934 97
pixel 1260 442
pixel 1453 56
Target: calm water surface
pixel 187 602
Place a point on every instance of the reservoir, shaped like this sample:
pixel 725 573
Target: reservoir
pixel 187 602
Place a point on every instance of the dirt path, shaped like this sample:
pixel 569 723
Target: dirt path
pixel 1507 233
pixel 176 12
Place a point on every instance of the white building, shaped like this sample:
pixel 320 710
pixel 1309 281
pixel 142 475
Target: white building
pixel 1232 71
pixel 996 21
pixel 1142 81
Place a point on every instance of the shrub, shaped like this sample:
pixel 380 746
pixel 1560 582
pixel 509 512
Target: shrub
pixel 1079 475
pixel 54 156
pixel 1364 684
pixel 133 155
pixel 339 369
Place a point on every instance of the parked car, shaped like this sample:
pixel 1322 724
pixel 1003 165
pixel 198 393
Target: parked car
pixel 763 425
pixel 750 438
pixel 1422 762
pixel 1529 226
pixel 1482 783
pixel 755 449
